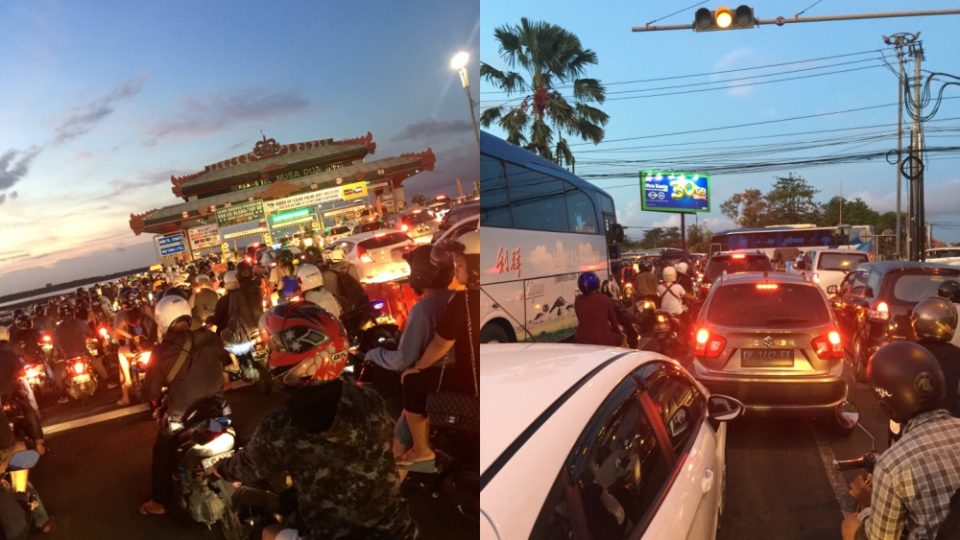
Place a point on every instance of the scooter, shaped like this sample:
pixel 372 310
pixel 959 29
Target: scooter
pixel 251 355
pixel 369 374
pixel 81 379
pixel 139 361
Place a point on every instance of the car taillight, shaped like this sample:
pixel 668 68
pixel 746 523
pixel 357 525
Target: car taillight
pixel 404 227
pixel 79 368
pixel 362 253
pixel 738 256
pixel 103 332
pixel 707 345
pixel 829 346
pixel 767 286
pixel 46 338
pixel 879 312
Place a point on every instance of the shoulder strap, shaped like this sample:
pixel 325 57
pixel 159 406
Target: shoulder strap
pixel 181 358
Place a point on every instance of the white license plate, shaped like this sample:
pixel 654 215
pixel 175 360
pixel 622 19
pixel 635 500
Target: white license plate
pixel 82 378
pixel 208 463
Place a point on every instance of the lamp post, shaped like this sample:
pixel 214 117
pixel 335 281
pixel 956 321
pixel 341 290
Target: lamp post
pixel 459 63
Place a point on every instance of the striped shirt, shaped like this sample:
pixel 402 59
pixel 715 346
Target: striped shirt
pixel 915 478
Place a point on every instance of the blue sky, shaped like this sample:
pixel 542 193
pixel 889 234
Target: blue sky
pixel 102 101
pixel 627 56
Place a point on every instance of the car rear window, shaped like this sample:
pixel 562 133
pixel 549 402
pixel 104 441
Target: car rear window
pixel 750 263
pixel 916 286
pixel 841 261
pixel 338 230
pixel 388 239
pixel 782 305
pixel 367 227
pixel 418 217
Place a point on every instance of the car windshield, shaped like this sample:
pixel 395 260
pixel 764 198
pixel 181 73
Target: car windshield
pixel 388 239
pixel 417 217
pixel 779 305
pixel 367 227
pixel 841 261
pixel 750 263
pixel 914 287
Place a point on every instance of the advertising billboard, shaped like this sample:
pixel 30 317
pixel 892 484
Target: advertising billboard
pixel 674 191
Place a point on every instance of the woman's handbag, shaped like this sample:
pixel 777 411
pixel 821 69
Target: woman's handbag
pixel 456 410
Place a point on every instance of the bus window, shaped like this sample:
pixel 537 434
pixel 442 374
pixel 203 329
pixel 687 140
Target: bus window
pixel 494 207
pixel 581 215
pixel 537 201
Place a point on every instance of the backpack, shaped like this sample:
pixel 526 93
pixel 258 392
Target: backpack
pixel 950 528
pixel 349 292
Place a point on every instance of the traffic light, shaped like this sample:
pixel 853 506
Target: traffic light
pixel 723 18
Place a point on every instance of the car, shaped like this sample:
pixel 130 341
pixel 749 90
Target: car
pixel 583 441
pixel 378 255
pixel 458 213
pixel 873 303
pixel 771 340
pixel 458 229
pixel 943 255
pixel 332 234
pixel 420 225
pixel 440 205
pixel 829 266
pixel 367 225
pixel 733 262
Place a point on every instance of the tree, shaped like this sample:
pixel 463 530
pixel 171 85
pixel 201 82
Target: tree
pixel 551 56
pixel 747 209
pixel 791 201
pixel 658 237
pixel 698 238
pixel 855 212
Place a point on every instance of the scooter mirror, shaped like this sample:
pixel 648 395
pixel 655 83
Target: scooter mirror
pixel 24 459
pixel 847 415
pixel 724 408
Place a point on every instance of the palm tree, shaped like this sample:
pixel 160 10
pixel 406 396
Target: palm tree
pixel 554 59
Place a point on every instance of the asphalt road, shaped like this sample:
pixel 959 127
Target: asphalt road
pixel 780 483
pixel 95 476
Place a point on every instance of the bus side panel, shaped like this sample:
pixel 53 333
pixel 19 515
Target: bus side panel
pixel 504 302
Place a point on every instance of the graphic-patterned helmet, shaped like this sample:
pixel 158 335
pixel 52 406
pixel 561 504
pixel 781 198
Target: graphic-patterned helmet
pixel 308 342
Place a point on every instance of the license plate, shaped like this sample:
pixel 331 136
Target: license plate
pixel 766 358
pixel 82 378
pixel 261 355
pixel 208 463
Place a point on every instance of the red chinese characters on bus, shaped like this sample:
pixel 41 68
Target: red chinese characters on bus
pixel 508 261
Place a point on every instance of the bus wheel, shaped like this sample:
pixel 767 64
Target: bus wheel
pixel 494 333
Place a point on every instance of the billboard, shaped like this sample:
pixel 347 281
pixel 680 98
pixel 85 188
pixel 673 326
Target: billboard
pixel 170 244
pixel 674 191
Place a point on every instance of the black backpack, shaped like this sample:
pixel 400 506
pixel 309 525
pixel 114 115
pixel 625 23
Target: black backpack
pixel 350 292
pixel 950 528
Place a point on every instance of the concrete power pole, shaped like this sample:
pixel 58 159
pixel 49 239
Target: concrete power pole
pixel 899 41
pixel 916 162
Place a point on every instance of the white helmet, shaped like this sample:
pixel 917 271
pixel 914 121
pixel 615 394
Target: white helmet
pixel 230 281
pixel 310 277
pixel 336 253
pixel 669 274
pixel 682 267
pixel 4 333
pixel 171 308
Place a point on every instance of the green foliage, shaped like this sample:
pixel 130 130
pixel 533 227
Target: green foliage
pixel 791 201
pixel 748 209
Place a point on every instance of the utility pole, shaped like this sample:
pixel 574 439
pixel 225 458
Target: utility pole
pixel 916 161
pixel 899 41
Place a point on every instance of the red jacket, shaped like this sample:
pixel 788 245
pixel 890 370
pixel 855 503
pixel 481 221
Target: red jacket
pixel 597 320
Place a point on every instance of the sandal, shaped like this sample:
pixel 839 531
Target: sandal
pixel 146 511
pixel 49 526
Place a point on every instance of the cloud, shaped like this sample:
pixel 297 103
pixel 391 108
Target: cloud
pixel 12 169
pixel 14 195
pixel 145 180
pixel 730 61
pixel 199 117
pixel 3 197
pixel 461 162
pixel 85 117
pixel 430 128
pixel 13 255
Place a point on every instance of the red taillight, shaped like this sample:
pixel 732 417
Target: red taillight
pixel 707 345
pixel 738 256
pixel 103 332
pixel 767 286
pixel 79 368
pixel 879 312
pixel 829 347
pixel 46 338
pixel 404 227
pixel 362 253
pixel 145 358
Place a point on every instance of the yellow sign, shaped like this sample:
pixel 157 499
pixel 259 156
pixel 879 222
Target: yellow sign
pixel 357 190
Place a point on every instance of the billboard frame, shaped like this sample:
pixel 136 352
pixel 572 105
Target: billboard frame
pixel 643 196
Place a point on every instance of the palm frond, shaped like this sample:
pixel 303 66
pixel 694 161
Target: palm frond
pixel 489 116
pixel 589 90
pixel 509 81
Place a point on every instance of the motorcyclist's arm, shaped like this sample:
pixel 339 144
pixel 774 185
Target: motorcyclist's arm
pixel 413 341
pixel 260 459
pixel 888 514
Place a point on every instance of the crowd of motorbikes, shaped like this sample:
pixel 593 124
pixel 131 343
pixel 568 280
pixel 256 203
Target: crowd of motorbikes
pixel 207 434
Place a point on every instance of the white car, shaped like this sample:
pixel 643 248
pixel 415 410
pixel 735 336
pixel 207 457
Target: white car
pixel 332 234
pixel 829 266
pixel 378 255
pixel 420 225
pixel 943 255
pixel 598 442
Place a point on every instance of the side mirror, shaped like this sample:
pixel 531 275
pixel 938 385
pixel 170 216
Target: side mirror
pixel 832 289
pixel 847 415
pixel 24 459
pixel 724 408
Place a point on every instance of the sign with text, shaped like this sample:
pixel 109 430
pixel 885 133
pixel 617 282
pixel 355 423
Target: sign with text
pixel 674 191
pixel 204 236
pixel 357 190
pixel 170 244
pixel 240 213
pixel 292 216
pixel 310 198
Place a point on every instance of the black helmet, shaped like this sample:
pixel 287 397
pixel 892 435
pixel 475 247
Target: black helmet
pixel 424 274
pixel 65 310
pixel 244 271
pixel 285 256
pixel 129 298
pixel 950 290
pixel 646 265
pixel 934 318
pixel 906 379
pixel 40 310
pixel 23 321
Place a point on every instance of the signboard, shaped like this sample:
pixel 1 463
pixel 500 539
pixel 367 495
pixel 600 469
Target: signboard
pixel 674 191
pixel 240 213
pixel 291 216
pixel 204 236
pixel 357 190
pixel 170 244
pixel 310 198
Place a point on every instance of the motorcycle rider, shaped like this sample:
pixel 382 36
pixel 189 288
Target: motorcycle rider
pixel 26 339
pixel 13 387
pixel 42 319
pixel 597 322
pixel 683 277
pixel 283 268
pixel 950 290
pixel 190 363
pixel 221 313
pixel 934 321
pixel 311 283
pixel 915 478
pixel 672 294
pixel 246 302
pixel 135 328
pixel 70 338
pixel 332 437
pixel 203 301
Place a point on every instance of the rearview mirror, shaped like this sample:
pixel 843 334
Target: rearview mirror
pixel 724 408
pixel 832 289
pixel 847 415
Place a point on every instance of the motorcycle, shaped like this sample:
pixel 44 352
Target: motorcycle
pixel 666 335
pixel 17 477
pixel 81 379
pixel 251 354
pixel 139 361
pixel 384 381
pixel 35 376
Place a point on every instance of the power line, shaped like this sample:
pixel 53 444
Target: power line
pixel 680 11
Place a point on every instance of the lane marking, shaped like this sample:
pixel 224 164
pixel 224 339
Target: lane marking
pixel 837 482
pixel 102 417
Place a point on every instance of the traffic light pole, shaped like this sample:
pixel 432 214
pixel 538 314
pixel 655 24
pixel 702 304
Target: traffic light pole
pixel 780 21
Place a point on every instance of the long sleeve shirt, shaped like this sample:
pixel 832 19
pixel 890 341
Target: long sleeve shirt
pixel 416 335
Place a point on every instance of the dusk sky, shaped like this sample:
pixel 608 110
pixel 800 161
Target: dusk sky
pixel 102 101
pixel 636 66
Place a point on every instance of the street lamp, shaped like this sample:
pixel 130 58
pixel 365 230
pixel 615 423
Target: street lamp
pixel 459 63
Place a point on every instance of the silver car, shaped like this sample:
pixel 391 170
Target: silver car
pixel 772 341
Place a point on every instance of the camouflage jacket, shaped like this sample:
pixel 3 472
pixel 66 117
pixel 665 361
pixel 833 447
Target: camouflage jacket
pixel 345 476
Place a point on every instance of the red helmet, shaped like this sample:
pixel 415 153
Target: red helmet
pixel 307 341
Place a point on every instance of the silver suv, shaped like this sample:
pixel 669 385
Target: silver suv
pixel 772 341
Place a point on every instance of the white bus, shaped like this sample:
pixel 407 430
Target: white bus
pixel 540 228
pixel 800 237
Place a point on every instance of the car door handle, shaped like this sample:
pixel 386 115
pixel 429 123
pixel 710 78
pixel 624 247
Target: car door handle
pixel 706 483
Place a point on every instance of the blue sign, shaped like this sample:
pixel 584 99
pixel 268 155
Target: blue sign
pixel 674 191
pixel 170 239
pixel 173 250
pixel 171 244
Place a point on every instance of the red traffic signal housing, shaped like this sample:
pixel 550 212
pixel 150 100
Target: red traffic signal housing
pixel 723 18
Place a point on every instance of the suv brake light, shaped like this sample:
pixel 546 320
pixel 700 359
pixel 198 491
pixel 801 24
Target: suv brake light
pixel 707 345
pixel 829 346
pixel 738 256
pixel 362 253
pixel 879 312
